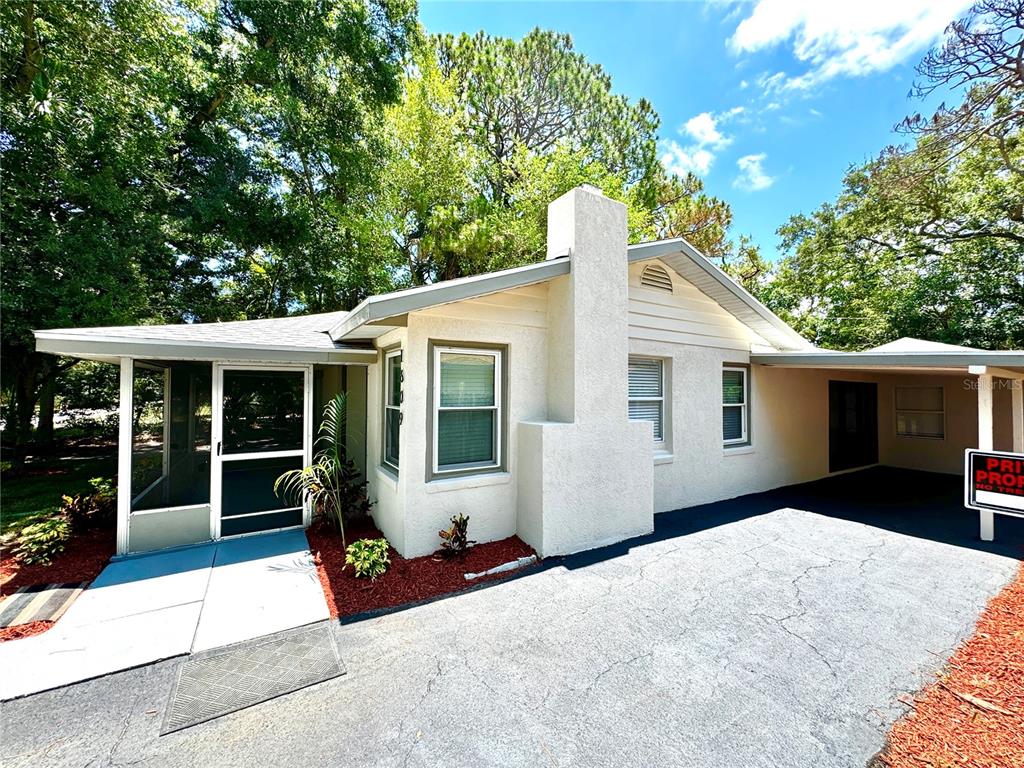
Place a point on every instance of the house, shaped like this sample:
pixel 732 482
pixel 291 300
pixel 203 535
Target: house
pixel 567 401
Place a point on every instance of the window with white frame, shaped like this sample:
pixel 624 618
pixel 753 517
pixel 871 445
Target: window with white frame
pixel 647 393
pixel 920 412
pixel 467 409
pixel 392 406
pixel 735 406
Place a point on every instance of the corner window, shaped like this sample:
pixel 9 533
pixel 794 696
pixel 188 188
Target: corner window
pixel 647 393
pixel 735 406
pixel 467 409
pixel 392 406
pixel 920 412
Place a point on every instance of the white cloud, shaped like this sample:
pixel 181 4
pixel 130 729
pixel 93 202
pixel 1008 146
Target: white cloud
pixel 843 38
pixel 683 160
pixel 704 130
pixel 705 140
pixel 752 177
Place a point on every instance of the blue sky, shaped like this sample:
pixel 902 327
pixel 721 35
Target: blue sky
pixel 769 101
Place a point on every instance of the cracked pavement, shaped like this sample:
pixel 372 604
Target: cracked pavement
pixel 771 637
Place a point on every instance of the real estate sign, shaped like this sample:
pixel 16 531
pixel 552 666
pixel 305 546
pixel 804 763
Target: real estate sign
pixel 994 481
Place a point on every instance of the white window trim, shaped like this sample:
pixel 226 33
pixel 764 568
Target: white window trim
pixel 744 439
pixel 897 411
pixel 388 357
pixel 658 441
pixel 497 408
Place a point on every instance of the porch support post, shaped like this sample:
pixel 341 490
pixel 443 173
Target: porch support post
pixel 1018 416
pixel 124 455
pixel 985 442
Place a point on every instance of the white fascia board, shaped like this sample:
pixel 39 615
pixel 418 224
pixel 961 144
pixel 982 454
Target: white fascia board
pixel 932 359
pixel 679 246
pixel 388 305
pixel 109 346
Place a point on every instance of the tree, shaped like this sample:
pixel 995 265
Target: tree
pixel 926 240
pixel 490 130
pixel 181 161
pixel 538 93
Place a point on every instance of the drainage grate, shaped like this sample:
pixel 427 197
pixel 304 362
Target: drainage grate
pixel 216 683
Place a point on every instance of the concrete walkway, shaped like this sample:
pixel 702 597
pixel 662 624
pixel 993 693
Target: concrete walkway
pixel 144 609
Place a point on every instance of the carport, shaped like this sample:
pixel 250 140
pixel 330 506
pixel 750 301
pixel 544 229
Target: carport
pixel 917 404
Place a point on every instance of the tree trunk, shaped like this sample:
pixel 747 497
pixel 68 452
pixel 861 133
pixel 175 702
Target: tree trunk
pixel 44 429
pixel 23 402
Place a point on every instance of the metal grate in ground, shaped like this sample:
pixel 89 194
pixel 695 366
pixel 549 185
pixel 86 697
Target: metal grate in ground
pixel 225 680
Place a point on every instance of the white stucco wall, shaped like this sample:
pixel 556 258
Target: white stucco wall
pixel 934 455
pixel 591 469
pixel 384 487
pixel 789 426
pixel 412 508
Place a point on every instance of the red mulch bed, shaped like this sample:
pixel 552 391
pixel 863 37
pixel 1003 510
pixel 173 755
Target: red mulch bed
pixel 406 581
pixel 973 715
pixel 84 557
pixel 24 630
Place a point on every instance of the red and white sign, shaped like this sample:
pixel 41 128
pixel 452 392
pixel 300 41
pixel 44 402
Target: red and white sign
pixel 995 481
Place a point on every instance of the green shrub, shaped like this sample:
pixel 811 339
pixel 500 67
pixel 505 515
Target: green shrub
pixel 41 542
pixel 331 484
pixel 369 557
pixel 91 510
pixel 455 540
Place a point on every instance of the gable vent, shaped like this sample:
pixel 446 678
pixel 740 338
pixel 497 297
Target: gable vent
pixel 657 278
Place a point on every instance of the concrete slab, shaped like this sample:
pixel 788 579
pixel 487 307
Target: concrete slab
pixel 260 585
pixel 144 584
pixel 144 609
pixel 66 655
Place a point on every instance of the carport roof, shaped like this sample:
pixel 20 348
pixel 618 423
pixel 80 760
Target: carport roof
pixel 904 354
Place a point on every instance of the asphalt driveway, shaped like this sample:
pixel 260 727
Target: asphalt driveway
pixel 776 630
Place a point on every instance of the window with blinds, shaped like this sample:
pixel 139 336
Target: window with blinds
pixel 467 409
pixel 392 406
pixel 921 412
pixel 647 393
pixel 735 415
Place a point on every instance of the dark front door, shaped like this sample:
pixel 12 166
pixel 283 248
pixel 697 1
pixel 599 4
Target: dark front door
pixel 852 424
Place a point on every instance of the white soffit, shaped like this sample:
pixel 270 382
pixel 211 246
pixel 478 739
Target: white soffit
pixel 694 267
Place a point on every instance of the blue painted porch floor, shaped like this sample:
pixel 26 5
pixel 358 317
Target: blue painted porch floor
pixel 153 607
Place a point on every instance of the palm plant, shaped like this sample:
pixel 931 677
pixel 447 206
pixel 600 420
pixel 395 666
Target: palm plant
pixel 331 483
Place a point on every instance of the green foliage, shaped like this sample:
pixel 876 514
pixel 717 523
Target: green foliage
pixel 88 385
pixel 28 496
pixel 88 511
pixel 455 540
pixel 369 557
pixel 183 161
pixel 42 541
pixel 491 130
pixel 331 483
pixel 925 240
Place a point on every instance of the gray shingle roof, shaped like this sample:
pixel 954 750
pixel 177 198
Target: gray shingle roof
pixel 306 331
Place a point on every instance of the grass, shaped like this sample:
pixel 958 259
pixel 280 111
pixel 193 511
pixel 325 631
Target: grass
pixel 35 490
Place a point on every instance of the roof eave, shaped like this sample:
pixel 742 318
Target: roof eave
pixel 787 336
pixel 109 347
pixel 932 359
pixel 377 308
